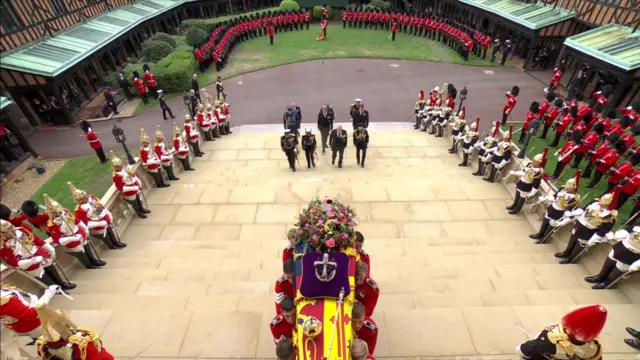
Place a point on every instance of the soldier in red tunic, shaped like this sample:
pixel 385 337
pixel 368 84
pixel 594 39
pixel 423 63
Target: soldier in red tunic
pixel 360 350
pixel 201 60
pixel 18 309
pixel 94 142
pixel 632 112
pixel 17 221
pixel 622 171
pixel 558 71
pixel 164 154
pixel 150 160
pixel 181 147
pixel 367 291
pixel 287 253
pixel 35 215
pixel 193 135
pixel 96 217
pixel 551 117
pixel 62 339
pixel 563 124
pixel 364 326
pixel 512 100
pixel 285 350
pixel 282 325
pixel 142 88
pixel 607 162
pixel 151 80
pixel 364 257
pixel 284 286
pixel 566 153
pixel 129 185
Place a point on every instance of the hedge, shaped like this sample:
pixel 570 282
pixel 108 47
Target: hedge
pixel 173 73
pixel 289 5
pixel 333 14
pixel 196 36
pixel 379 4
pixel 154 50
pixel 164 37
pixel 209 25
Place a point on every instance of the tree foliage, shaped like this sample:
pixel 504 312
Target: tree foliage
pixel 154 50
pixel 196 36
pixel 289 5
pixel 164 37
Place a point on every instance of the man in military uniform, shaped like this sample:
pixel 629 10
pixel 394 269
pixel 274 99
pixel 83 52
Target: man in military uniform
pixel 419 109
pixel 325 125
pixel 64 340
pixel 594 222
pixel 360 117
pixel 94 142
pixel 469 141
pixel 575 337
pixel 220 87
pixel 560 210
pixel 361 142
pixel 512 99
pixel 607 162
pixel 458 130
pixel 284 285
pixel 150 160
pixel 192 134
pixel 285 350
pixel 129 185
pixel 181 147
pixel 367 291
pixel 96 217
pixel 290 122
pixel 287 253
pixel 309 147
pixel 364 326
pixel 338 142
pixel 623 258
pixel 164 154
pixel 486 149
pixel 282 325
pixel 501 156
pixel 529 183
pixel 289 144
pixel 364 257
pixel 354 107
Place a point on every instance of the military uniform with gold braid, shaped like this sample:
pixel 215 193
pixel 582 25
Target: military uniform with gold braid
pixel 469 141
pixel 353 108
pixel 289 144
pixel 458 130
pixel 501 156
pixel 63 340
pixel 129 185
pixel 181 146
pixel 560 210
pixel 419 109
pixel 151 161
pixel 593 224
pixel 529 182
pixel 18 309
pixel 573 338
pixel 486 149
pixel 193 135
pixel 72 234
pixel 445 112
pixel 166 157
pixel 98 219
pixel 309 146
pixel 623 258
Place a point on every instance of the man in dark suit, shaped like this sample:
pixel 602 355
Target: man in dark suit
pixel 361 116
pixel 338 142
pixel 325 125
pixel 111 101
pixel 193 102
pixel 196 86
pixel 163 105
pixel 125 85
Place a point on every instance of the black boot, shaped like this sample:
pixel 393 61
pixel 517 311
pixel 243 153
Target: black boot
pixel 93 257
pixel 170 173
pixel 543 233
pixel 51 273
pixel 107 241
pixel 465 158
pixel 573 240
pixel 228 129
pixel 186 165
pixel 196 149
pixel 84 259
pixel 158 178
pixel 142 208
pixel 613 276
pixel 136 207
pixel 607 267
pixel 634 343
pixel 492 174
pixel 515 201
pixel 115 238
pixel 575 252
pixel 480 170
pixel 633 332
pixel 519 204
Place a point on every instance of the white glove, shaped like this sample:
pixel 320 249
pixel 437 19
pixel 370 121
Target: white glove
pixel 503 164
pixel 577 212
pixel 549 198
pixel 516 172
pixel 635 266
pixel 131 188
pixel 38 259
pixel 595 239
pixel 48 248
pixel 531 194
pixel 563 222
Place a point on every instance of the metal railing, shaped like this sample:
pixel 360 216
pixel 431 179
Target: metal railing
pixel 101 110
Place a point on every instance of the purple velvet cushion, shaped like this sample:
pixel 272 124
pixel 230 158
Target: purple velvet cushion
pixel 312 287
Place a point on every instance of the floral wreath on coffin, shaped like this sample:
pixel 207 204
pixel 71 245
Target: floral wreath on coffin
pixel 326 226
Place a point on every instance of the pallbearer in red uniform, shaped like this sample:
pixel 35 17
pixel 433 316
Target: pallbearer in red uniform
pixel 150 160
pixel 62 339
pixel 94 142
pixel 360 350
pixel 364 326
pixel 151 80
pixel 284 286
pixel 129 185
pixel 18 309
pixel 192 134
pixel 96 217
pixel 67 231
pixel 367 291
pixel 142 88
pixel 21 249
pixel 529 182
pixel 364 257
pixel 574 338
pixel 164 154
pixel 181 146
pixel 282 325
pixel 512 100
pixel 607 162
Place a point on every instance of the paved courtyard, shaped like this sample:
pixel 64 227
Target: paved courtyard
pixel 455 270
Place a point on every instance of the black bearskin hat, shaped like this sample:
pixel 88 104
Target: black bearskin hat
pixel 30 208
pixel 550 96
pixel 515 91
pixel 453 91
pixel 607 90
pixel 534 107
pixel 558 103
pixel 573 111
pixel 5 212
pixel 576 136
pixel 625 121
pixel 598 108
pixel 146 68
pixel 598 128
pixel 593 102
pixel 635 130
pixel 579 96
pixel 85 126
pixel 620 146
pixel 612 138
pixel 136 74
pixel 612 114
pixel 587 118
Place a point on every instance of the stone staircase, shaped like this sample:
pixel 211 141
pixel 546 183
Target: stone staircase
pixel 455 270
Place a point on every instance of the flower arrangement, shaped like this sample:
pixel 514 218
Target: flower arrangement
pixel 326 226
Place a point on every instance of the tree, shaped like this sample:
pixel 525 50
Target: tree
pixel 196 36
pixel 154 50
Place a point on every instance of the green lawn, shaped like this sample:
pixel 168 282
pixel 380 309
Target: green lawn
pixel 86 173
pixel 537 145
pixel 291 47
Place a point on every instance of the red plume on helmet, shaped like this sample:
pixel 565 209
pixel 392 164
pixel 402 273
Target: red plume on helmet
pixel 578 173
pixel 616 196
pixel 464 112
pixel 421 95
pixel 585 324
pixel 495 131
pixel 510 132
pixel 544 157
pixel 477 122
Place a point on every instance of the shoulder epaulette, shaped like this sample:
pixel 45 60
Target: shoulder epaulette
pixel 276 321
pixel 372 284
pixel 371 326
pixel 281 280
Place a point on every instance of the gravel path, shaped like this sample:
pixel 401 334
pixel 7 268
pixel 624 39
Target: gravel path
pixel 25 185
